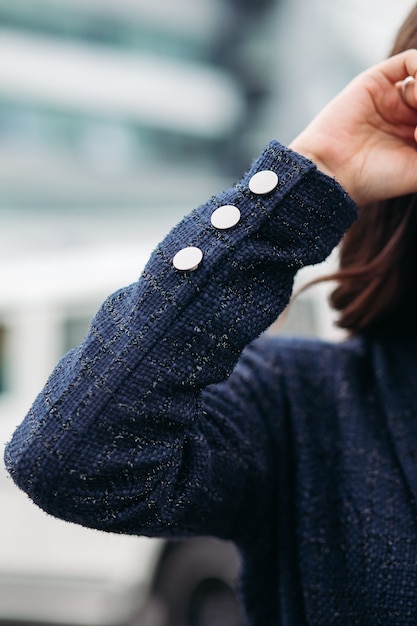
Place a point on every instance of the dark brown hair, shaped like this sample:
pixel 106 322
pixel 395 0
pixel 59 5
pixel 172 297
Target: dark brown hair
pixel 377 279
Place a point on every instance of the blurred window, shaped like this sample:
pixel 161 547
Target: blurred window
pixel 3 358
pixel 68 134
pixel 112 31
pixel 74 329
pixel 299 319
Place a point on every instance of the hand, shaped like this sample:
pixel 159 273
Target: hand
pixel 366 137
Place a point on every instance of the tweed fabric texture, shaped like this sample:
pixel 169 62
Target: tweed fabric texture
pixel 177 416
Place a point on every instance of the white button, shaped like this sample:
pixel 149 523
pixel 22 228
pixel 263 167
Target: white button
pixel 263 182
pixel 225 216
pixel 187 259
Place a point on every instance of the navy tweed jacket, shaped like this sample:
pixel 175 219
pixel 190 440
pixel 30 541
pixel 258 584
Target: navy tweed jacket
pixel 178 415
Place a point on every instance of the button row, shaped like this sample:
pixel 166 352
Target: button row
pixel 226 216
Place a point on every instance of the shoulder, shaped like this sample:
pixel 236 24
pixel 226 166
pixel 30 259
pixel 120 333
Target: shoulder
pixel 305 353
pixel 300 367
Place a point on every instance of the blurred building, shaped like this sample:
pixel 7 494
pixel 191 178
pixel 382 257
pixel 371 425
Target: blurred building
pixel 102 103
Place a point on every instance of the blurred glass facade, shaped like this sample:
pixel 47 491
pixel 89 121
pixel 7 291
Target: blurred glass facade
pixel 139 105
pixel 123 104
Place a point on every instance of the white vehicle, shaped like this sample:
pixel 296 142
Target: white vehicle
pixel 59 573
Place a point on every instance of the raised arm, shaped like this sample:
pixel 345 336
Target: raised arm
pixel 125 435
pixel 120 437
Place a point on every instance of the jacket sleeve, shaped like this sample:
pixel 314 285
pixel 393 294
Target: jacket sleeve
pixel 143 428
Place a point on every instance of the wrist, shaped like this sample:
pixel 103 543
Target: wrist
pixel 340 173
pixel 298 146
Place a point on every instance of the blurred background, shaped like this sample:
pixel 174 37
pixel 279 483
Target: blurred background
pixel 117 117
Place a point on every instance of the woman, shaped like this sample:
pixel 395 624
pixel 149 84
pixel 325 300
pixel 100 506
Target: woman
pixel 173 418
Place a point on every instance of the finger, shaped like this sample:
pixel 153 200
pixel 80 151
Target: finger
pixel 399 66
